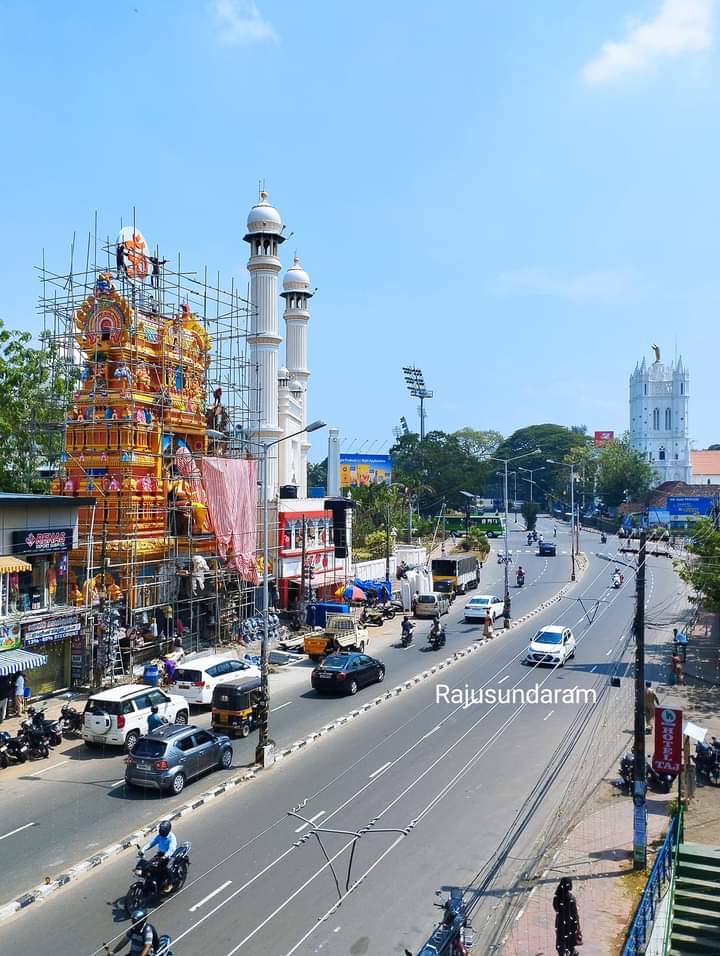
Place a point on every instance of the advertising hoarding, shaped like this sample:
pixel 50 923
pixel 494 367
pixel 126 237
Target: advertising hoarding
pixel 362 470
pixel 689 506
pixel 603 438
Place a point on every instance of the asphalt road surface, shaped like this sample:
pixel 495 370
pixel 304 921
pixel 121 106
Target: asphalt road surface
pixel 431 786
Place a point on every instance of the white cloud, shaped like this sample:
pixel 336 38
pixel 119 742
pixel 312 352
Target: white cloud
pixel 681 26
pixel 602 285
pixel 241 22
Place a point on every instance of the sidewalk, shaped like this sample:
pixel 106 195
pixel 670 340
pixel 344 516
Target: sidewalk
pixel 597 853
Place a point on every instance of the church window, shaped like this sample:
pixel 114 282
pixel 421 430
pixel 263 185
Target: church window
pixel 682 388
pixel 661 453
pixel 656 419
pixel 668 419
pixel 645 388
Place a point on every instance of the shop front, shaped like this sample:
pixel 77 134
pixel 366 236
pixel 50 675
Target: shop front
pixel 307 566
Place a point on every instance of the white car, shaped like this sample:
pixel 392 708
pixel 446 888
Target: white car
pixel 477 607
pixel 551 645
pixel 119 716
pixel 195 680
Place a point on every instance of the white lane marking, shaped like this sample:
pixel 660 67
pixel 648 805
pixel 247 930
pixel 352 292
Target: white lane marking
pixel 548 715
pixel 209 896
pixel 280 706
pixel 506 677
pixel 51 767
pixel 431 732
pixel 311 820
pixel 609 652
pixel 17 830
pixel 380 769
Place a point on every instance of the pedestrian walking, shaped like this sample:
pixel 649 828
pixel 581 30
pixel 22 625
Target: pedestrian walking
pixel 487 625
pixel 20 695
pixel 568 934
pixel 680 643
pixel 413 604
pixel 5 688
pixel 651 702
pixel 677 675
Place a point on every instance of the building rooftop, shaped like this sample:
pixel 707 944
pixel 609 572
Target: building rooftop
pixel 705 462
pixel 10 498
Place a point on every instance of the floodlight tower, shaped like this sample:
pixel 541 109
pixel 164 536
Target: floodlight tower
pixel 416 385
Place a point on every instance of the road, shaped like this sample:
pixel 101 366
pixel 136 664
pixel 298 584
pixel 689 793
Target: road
pixel 433 786
pixel 58 811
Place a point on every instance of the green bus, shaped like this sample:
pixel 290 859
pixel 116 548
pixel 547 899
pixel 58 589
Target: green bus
pixel 492 525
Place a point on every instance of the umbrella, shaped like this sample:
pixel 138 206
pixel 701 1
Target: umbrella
pixel 351 593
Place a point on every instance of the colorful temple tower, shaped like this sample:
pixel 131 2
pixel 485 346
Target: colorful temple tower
pixel 138 418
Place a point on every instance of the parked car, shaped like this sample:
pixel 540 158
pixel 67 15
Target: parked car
pixel 547 549
pixel 196 679
pixel 477 607
pixel 432 605
pixel 171 755
pixel 118 716
pixel 551 645
pixel 347 673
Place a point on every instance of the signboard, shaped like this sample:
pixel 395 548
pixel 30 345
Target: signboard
pixel 358 471
pixel 668 740
pixel 9 637
pixel 689 506
pixel 50 629
pixel 603 438
pixel 42 541
pixel 132 252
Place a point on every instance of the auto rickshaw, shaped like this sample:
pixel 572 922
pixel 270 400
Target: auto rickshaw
pixel 235 706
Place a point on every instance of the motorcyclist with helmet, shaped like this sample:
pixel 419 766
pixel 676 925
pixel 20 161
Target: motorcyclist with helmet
pixel 141 937
pixel 166 843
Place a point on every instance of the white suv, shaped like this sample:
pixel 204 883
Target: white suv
pixel 119 716
pixel 195 680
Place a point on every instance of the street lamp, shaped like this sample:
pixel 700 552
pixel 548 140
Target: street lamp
pixel 506 462
pixel 264 702
pixel 394 484
pixel 571 466
pixel 531 471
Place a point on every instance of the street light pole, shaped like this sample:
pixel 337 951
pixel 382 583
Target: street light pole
pixel 531 472
pixel 571 466
pixel 262 755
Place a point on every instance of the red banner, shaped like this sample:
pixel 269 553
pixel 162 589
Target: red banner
pixel 604 438
pixel 668 740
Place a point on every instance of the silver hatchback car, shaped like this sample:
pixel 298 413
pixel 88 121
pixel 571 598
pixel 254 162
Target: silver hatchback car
pixel 171 755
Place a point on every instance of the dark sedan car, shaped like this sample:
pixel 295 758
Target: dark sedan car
pixel 171 755
pixel 547 549
pixel 347 673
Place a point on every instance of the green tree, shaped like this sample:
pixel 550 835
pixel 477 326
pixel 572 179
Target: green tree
pixel 317 474
pixel 475 540
pixel 702 570
pixel 374 504
pixel 529 512
pixel 553 441
pixel 622 472
pixel 478 443
pixel 35 391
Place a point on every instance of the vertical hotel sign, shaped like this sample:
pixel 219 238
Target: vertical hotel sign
pixel 668 740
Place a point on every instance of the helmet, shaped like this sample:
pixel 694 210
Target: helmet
pixel 153 709
pixel 139 918
pixel 165 828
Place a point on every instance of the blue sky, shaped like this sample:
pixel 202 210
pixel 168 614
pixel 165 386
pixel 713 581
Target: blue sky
pixel 518 197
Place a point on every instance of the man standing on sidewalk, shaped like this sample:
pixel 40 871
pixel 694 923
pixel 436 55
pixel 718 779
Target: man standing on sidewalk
pixel 20 695
pixel 680 643
pixel 651 702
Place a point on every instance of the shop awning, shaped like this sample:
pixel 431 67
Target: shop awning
pixel 9 565
pixel 13 661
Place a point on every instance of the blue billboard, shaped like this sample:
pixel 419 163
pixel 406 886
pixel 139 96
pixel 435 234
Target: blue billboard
pixel 689 506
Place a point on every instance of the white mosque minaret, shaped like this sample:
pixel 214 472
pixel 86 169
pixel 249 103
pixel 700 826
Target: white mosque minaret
pixel 296 292
pixel 264 235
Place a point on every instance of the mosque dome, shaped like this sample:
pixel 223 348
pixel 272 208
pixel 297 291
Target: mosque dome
pixel 296 278
pixel 264 217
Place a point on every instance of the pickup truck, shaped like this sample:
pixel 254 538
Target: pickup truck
pixel 342 632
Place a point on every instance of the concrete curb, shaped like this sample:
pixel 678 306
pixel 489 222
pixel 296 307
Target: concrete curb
pixel 41 892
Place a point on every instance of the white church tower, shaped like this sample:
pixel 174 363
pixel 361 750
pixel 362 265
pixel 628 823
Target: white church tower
pixel 297 295
pixel 659 397
pixel 264 235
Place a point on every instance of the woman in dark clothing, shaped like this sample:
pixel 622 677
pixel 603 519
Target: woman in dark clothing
pixel 567 922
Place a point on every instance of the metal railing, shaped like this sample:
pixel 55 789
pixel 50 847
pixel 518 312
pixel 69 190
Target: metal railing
pixel 655 888
pixel 676 860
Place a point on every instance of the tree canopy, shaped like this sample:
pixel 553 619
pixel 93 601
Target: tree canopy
pixel 553 441
pixel 622 472
pixel 702 570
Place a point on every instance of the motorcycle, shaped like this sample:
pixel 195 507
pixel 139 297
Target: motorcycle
pixel 436 637
pixel 707 761
pixel 4 756
pixel 406 637
pixel 454 935
pixel 149 887
pixel 529 540
pixel 16 747
pixel 37 740
pixel 71 720
pixel 388 611
pixel 51 728
pixel 627 766
pixel 658 780
pixel 617 580
pixel 520 580
pixel 162 948
pixel 603 538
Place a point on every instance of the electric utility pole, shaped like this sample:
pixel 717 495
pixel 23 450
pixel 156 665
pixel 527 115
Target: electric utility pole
pixel 639 777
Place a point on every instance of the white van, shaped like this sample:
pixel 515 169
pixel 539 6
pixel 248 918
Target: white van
pixel 432 605
pixel 119 716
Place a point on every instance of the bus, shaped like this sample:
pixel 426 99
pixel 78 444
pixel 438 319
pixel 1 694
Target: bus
pixel 493 525
pixel 455 575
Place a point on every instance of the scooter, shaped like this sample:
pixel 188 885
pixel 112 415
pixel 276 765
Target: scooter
pixel 617 580
pixel 71 720
pixel 603 538
pixel 36 740
pixel 16 747
pixel 51 728
pixel 148 886
pixel 406 637
pixel 4 756
pixel 162 948
pixel 627 767
pixel 520 580
pixel 436 637
pixel 529 540
pixel 660 781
